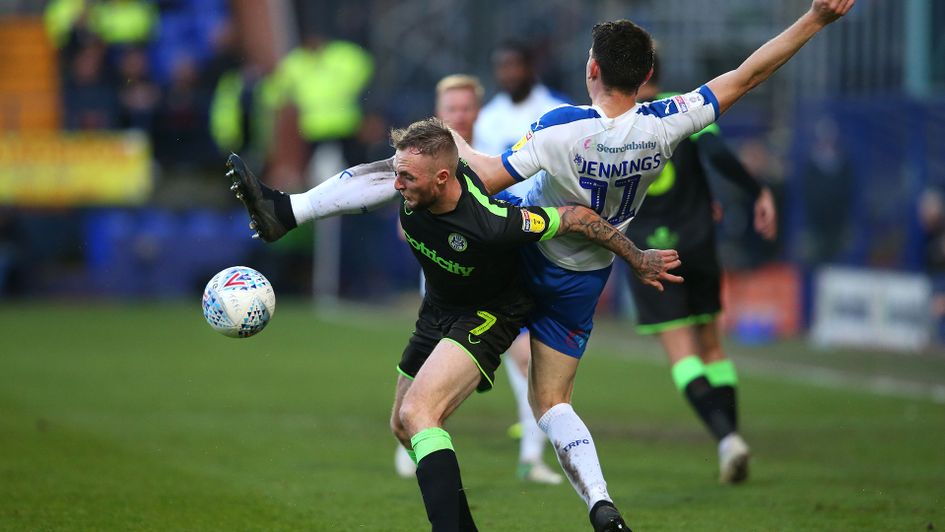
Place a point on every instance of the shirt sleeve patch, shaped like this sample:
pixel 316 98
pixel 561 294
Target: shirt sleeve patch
pixel 660 108
pixel 532 223
pixel 525 138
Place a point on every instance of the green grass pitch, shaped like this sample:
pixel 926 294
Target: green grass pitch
pixel 142 418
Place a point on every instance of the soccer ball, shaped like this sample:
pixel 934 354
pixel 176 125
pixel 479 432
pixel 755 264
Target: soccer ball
pixel 238 302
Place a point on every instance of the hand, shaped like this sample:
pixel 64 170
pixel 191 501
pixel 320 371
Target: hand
pixel 766 215
pixel 655 265
pixel 718 213
pixel 827 11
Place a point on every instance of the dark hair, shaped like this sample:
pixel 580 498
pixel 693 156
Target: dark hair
pixel 429 137
pixel 624 52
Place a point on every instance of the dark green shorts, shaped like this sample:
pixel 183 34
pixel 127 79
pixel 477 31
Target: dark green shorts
pixel 484 334
pixel 692 302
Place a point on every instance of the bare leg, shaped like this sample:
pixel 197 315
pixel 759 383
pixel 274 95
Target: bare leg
pixel 396 425
pixel 404 460
pixel 444 381
pixel 551 382
pixel 679 343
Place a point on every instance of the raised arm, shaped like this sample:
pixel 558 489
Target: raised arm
pixel 489 169
pixel 759 66
pixel 650 266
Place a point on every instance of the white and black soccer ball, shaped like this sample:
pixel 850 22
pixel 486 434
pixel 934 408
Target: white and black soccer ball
pixel 238 302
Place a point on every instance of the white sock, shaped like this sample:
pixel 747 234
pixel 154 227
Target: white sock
pixel 533 439
pixel 576 452
pixel 356 190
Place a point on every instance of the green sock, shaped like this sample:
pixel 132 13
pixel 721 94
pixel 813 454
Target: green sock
pixel 440 482
pixel 429 441
pixel 690 377
pixel 721 373
pixel 687 370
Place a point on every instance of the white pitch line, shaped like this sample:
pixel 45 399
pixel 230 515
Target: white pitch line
pixel 802 374
pixel 832 378
pixel 629 350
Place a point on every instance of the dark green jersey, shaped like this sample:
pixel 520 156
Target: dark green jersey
pixel 469 255
pixel 677 212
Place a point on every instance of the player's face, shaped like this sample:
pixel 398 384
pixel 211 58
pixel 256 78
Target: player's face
pixel 459 109
pixel 512 73
pixel 415 178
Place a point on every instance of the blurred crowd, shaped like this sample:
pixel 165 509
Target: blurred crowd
pixel 151 66
pixel 188 75
pixel 177 70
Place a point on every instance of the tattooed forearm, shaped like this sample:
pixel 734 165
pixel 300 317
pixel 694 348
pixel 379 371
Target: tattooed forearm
pixel 650 266
pixel 584 221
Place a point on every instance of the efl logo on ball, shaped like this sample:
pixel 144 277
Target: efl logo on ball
pixel 238 302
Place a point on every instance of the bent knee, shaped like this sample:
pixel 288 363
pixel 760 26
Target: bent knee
pixel 397 427
pixel 414 417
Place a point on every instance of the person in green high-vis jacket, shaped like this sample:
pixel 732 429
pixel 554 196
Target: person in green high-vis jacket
pixel 324 80
pixel 114 21
pixel 241 112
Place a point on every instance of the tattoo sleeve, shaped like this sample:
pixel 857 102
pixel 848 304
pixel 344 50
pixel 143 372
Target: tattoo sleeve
pixel 582 220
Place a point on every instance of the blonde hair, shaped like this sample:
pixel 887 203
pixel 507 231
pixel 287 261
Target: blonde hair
pixel 460 81
pixel 429 137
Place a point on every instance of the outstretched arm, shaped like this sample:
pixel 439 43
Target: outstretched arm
pixel 759 66
pixel 650 266
pixel 358 189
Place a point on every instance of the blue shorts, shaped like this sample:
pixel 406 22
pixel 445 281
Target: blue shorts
pixel 565 300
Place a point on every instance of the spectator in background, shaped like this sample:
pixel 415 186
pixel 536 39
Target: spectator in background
pixel 106 80
pixel 522 99
pixel 61 18
pixel 10 262
pixel 124 22
pixel 240 107
pixel 181 134
pixel 89 96
pixel 323 79
pixel 827 197
pixel 226 54
pixel 931 213
pixel 932 219
pixel 138 94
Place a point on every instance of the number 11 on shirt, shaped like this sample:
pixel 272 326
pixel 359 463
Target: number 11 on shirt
pixel 598 190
